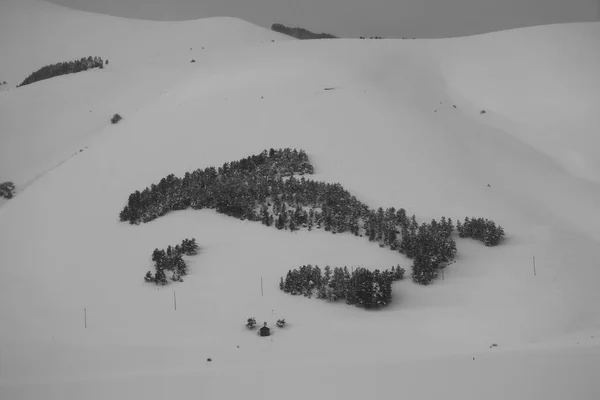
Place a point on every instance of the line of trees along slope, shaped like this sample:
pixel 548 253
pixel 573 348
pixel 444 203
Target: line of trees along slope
pixel 271 188
pixel 300 33
pixel 63 68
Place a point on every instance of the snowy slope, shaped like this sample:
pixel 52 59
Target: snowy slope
pixel 145 58
pixel 388 132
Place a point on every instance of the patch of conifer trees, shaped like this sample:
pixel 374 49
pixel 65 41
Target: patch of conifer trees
pixel 63 68
pixel 300 33
pixel 481 229
pixel 170 262
pixel 271 188
pixel 360 287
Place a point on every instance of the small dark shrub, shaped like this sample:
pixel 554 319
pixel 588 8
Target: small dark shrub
pixel 251 323
pixel 116 118
pixel 7 190
pixel 149 277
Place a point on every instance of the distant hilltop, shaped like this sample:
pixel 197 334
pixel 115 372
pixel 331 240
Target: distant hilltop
pixel 300 33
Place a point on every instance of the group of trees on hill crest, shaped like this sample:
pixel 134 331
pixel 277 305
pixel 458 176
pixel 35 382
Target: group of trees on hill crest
pixel 63 68
pixel 300 33
pixel 271 188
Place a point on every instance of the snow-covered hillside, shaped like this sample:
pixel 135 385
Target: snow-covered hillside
pixel 146 59
pixel 401 127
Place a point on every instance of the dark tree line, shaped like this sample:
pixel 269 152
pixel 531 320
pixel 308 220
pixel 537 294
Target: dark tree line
pixel 171 260
pixel 360 287
pixel 266 188
pixel 63 68
pixel 235 189
pixel 300 33
pixel 7 190
pixel 481 229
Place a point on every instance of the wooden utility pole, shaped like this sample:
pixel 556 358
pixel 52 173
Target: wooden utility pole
pixel 175 300
pixel 534 274
pixel 85 317
pixel 261 287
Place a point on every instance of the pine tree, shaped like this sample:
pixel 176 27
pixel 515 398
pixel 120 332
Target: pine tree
pixel 379 289
pixel 337 284
pixel 251 323
pixel 149 277
pixel 193 250
pixel 157 255
pixel 467 228
pixel 424 271
pixel 7 190
pixel 322 291
pixel 459 228
pixel 280 224
pixel 175 277
pixel 179 265
pixel 345 281
pixel 327 275
pixel 160 277
pixel 292 225
pixel 265 215
pixel 287 285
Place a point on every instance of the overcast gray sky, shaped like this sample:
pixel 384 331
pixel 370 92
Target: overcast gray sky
pixel 353 18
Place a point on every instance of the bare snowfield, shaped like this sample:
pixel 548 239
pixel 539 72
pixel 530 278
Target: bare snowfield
pixel 402 127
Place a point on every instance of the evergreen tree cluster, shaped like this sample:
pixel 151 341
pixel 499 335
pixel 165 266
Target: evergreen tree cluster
pixel 361 287
pixel 236 189
pixel 266 188
pixel 7 190
pixel 430 245
pixel 171 260
pixel 481 229
pixel 63 68
pixel 300 33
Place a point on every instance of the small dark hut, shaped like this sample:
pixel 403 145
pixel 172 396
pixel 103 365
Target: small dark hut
pixel 264 331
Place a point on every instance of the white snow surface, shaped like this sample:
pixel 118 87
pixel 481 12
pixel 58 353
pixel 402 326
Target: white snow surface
pixel 388 132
